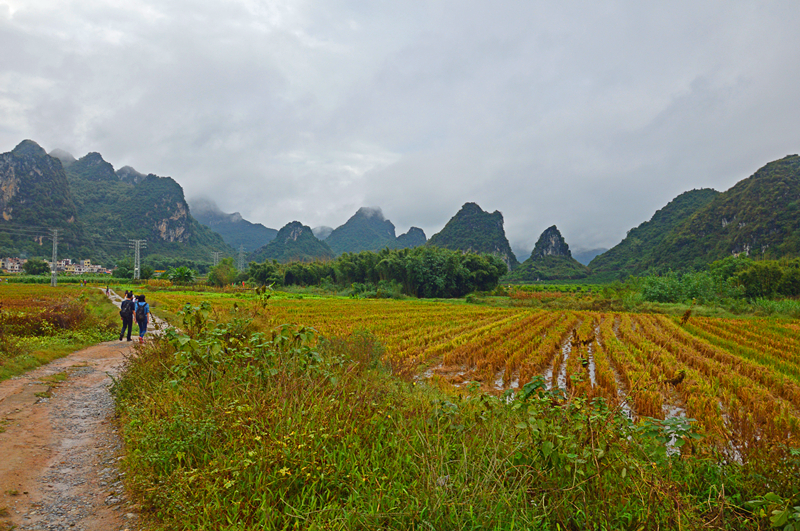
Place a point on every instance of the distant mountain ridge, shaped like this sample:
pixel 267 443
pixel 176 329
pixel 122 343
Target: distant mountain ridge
pixel 550 259
pixel 34 199
pixel 585 256
pixel 294 242
pixel 415 237
pixel 472 229
pixel 758 217
pixel 120 206
pixel 322 232
pixel 96 210
pixel 235 230
pixel 634 254
pixel 368 230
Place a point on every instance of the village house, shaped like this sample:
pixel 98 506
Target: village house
pixel 12 265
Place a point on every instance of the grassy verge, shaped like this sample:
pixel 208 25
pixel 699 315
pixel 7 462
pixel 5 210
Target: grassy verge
pixel 39 324
pixel 228 428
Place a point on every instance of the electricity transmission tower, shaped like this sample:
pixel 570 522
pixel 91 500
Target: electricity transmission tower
pixel 215 255
pixel 241 258
pixel 54 269
pixel 137 246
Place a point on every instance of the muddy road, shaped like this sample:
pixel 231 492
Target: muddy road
pixel 59 446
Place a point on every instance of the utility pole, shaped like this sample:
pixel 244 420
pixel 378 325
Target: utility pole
pixel 137 246
pixel 215 255
pixel 54 269
pixel 241 258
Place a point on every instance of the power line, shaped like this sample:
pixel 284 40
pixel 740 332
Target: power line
pixel 24 232
pixel 241 258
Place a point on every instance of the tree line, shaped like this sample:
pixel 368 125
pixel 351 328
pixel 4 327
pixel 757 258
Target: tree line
pixel 424 272
pixel 730 278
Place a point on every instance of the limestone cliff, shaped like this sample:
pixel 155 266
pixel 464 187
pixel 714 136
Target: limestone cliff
pixel 551 259
pixel 473 229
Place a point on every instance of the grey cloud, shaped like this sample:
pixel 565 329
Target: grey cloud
pixel 585 115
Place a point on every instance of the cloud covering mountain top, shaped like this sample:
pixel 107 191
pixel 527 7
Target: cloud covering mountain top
pixel 587 115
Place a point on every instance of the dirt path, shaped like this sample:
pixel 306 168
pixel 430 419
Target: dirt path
pixel 59 447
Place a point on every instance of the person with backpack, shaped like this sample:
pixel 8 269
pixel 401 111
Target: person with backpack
pixel 142 316
pixel 126 310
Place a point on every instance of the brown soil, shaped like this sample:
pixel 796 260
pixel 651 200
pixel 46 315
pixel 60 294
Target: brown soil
pixel 59 446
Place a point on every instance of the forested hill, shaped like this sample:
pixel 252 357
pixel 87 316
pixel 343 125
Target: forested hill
pixel 36 197
pixel 368 230
pixel 635 253
pixel 116 207
pixel 472 229
pixel 550 259
pixel 95 210
pixel 295 242
pixel 759 217
pixel 415 237
pixel 234 229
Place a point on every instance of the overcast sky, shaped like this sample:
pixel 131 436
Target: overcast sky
pixel 587 115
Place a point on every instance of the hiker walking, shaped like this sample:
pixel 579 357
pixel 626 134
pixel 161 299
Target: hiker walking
pixel 142 316
pixel 126 311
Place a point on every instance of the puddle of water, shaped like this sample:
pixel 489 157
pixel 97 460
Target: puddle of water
pixel 548 378
pixel 429 372
pixel 734 451
pixel 566 350
pixel 624 405
pixel 498 379
pixel 591 367
pixel 672 409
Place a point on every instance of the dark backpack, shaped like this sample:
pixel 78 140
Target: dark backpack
pixel 126 310
pixel 141 311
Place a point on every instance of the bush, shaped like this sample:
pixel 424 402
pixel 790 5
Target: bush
pixel 35 267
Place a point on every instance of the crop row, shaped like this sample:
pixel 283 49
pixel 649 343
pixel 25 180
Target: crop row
pixel 738 379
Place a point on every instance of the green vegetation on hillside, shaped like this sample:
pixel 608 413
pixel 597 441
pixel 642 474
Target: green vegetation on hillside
pixel 95 211
pixel 152 210
pixel 550 260
pixel 415 237
pixel 758 216
pixel 635 253
pixel 295 242
pixel 472 229
pixel 36 198
pixel 366 230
